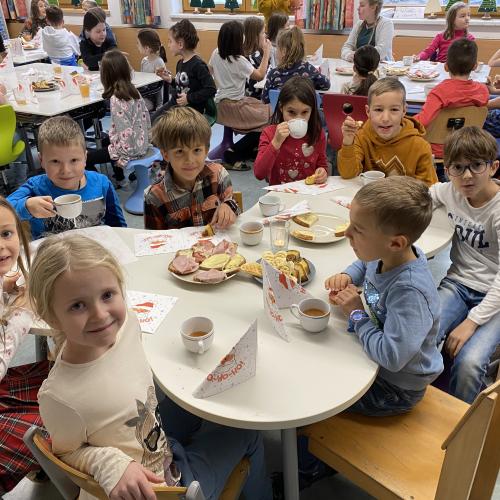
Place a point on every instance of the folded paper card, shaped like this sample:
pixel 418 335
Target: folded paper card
pixel 302 207
pixel 237 366
pixel 150 308
pixel 343 201
pixel 270 306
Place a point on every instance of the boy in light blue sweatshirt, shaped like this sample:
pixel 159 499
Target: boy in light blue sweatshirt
pixel 399 328
pixel 61 145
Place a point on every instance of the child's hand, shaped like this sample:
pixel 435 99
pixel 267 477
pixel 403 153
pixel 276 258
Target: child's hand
pixel 282 132
pixel 321 175
pixel 223 217
pixel 459 336
pixel 348 299
pixel 135 484
pixel 164 74
pixel 182 100
pixel 3 89
pixel 349 129
pixel 416 58
pixel 266 49
pixel 41 207
pixel 337 282
pixel 10 283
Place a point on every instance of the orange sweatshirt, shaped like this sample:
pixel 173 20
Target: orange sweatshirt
pixel 406 154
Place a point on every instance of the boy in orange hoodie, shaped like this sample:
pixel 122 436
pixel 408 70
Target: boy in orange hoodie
pixel 388 141
pixel 457 90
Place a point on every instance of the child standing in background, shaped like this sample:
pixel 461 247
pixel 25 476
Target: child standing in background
pixel 18 385
pixel 457 25
pixel 277 22
pixel 286 154
pixel 365 64
pixel 149 45
pixel 130 124
pixel 254 38
pixel 193 84
pixel 290 58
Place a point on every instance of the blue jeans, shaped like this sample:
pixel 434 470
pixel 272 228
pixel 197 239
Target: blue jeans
pixel 208 452
pixel 470 366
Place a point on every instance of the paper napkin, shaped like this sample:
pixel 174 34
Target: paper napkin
pixel 343 201
pixel 150 308
pixel 300 187
pixel 299 208
pixel 237 366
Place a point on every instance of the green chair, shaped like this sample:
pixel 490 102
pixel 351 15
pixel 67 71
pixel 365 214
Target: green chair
pixel 8 152
pixel 211 111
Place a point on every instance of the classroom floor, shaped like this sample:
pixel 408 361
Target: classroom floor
pixel 336 487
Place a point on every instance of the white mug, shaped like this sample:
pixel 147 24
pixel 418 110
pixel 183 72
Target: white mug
pixel 298 128
pixel 407 60
pixel 68 206
pixel 371 176
pixel 313 314
pixel 269 205
pixel 251 233
pixel 197 334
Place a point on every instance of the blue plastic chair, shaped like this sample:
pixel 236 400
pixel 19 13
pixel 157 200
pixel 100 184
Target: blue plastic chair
pixel 135 203
pixel 274 94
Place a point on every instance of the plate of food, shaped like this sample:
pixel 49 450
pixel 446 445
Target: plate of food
pixel 423 76
pixel 207 264
pixel 44 86
pixel 396 71
pixel 29 46
pixel 290 262
pixel 344 70
pixel 318 227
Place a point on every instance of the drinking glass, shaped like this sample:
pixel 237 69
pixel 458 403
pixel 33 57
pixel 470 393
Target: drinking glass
pixel 280 232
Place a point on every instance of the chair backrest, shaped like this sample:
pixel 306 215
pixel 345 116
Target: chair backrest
pixel 472 459
pixel 335 115
pixel 54 467
pixel 7 130
pixel 275 93
pixel 238 198
pixel 450 119
pixel 211 111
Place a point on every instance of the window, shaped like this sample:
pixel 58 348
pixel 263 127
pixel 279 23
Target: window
pixel 246 6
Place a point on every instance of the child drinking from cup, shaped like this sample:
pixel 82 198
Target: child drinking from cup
pixel 191 192
pixel 365 65
pixel 470 292
pixel 457 25
pixel 61 145
pixel 99 403
pixel 388 141
pixel 95 41
pixel 18 385
pixel 293 147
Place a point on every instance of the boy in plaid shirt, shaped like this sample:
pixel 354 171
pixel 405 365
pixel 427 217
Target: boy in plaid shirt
pixel 191 192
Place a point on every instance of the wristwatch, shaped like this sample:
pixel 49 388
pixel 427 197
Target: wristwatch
pixel 354 317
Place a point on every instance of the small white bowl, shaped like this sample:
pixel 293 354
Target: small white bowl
pixel 269 205
pixel 251 233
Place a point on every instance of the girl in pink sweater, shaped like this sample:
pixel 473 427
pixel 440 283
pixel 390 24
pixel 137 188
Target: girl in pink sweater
pixel 293 147
pixel 457 24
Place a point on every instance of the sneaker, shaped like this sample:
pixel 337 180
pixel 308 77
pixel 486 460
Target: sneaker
pixel 306 479
pixel 123 185
pixel 240 166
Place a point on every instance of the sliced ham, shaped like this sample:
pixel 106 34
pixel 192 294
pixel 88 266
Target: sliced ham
pixel 202 250
pixel 212 276
pixel 183 264
pixel 226 247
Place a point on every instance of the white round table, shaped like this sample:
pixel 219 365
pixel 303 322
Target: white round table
pixel 306 380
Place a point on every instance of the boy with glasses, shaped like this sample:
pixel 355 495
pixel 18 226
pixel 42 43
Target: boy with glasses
pixel 470 292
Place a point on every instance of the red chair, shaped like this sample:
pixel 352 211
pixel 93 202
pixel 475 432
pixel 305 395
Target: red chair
pixel 335 115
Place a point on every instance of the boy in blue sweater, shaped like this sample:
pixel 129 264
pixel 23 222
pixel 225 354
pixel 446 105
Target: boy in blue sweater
pixel 63 154
pixel 399 329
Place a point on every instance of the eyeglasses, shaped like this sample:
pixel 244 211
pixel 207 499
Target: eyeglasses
pixel 478 167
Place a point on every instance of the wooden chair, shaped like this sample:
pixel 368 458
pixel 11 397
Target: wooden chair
pixel 238 198
pixel 402 456
pixel 69 481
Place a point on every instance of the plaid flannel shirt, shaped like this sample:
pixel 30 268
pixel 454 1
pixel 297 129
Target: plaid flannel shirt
pixel 168 206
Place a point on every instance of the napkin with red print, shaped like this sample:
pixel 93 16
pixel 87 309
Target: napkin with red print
pixel 236 367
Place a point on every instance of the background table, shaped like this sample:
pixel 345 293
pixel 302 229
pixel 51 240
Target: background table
pixel 311 378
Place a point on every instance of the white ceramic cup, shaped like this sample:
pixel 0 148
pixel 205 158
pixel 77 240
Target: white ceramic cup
pixel 269 205
pixel 297 127
pixel 251 233
pixel 312 323
pixel 407 60
pixel 199 343
pixel 68 206
pixel 371 176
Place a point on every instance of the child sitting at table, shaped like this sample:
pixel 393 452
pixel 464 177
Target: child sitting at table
pixel 286 154
pixel 457 24
pixel 18 385
pixel 191 192
pixel 36 21
pixel 90 4
pixel 290 55
pixel 98 402
pixel 61 145
pixel 277 22
pixel 456 91
pixel 470 292
pixel 254 38
pixel 62 46
pixel 365 65
pixel 192 84
pixel 96 40
pixel 388 141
